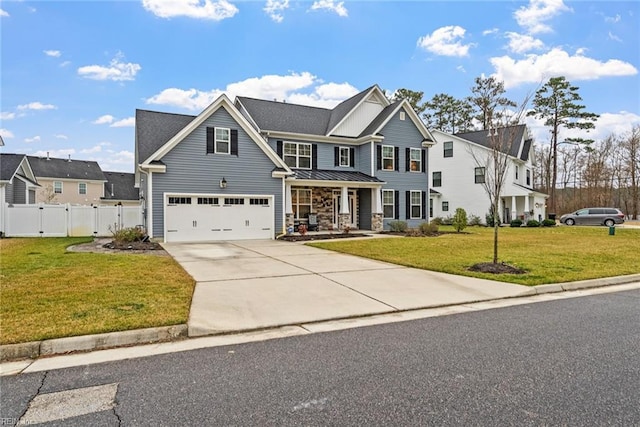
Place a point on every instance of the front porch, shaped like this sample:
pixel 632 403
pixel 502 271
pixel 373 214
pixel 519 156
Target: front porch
pixel 523 207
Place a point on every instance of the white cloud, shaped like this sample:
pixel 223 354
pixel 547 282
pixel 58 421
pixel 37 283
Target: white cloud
pixel 521 43
pixel 94 149
pixel 608 123
pixel 612 19
pixel 490 31
pixel 34 139
pixel 116 70
pixel 265 87
pixel 6 134
pixel 128 122
pixel 331 6
pixel 327 95
pixel 61 136
pixel 274 9
pixel 65 63
pixel 6 115
pixel 445 41
pixel 534 16
pixel 116 161
pixel 3 13
pixel 107 118
pixel 614 37
pixel 200 9
pixel 37 106
pixel 461 69
pixel 556 62
pixel 53 53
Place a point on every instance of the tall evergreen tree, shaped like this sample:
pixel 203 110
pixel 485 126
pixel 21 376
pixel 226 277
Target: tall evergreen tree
pixel 557 104
pixel 448 114
pixel 414 97
pixel 487 98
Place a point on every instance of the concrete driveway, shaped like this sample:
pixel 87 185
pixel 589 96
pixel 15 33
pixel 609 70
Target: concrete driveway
pixel 246 285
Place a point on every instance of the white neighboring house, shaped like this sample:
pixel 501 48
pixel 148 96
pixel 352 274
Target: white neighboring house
pixel 456 177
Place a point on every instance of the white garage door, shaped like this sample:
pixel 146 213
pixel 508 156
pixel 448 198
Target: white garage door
pixel 203 218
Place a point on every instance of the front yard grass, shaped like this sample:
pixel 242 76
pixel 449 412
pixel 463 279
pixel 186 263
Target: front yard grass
pixel 549 255
pixel 47 292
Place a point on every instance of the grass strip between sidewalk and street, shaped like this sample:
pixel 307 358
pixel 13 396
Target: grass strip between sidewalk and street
pixel 549 255
pixel 47 292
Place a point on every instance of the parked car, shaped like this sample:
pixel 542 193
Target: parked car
pixel 594 216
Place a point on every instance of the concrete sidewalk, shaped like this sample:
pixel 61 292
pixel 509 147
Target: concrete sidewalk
pixel 249 285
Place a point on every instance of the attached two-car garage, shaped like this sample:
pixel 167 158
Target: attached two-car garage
pixel 211 217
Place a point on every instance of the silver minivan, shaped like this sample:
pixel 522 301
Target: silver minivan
pixel 594 216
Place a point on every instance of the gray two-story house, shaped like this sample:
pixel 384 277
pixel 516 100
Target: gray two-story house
pixel 253 168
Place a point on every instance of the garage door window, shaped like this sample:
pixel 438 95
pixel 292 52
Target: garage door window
pixel 208 200
pixel 259 202
pixel 179 200
pixel 233 201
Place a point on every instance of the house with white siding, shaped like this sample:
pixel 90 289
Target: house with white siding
pixel 254 168
pixel 458 170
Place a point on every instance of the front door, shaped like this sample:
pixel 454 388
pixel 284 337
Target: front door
pixel 352 209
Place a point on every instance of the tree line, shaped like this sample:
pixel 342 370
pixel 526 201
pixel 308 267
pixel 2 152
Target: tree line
pixel 584 172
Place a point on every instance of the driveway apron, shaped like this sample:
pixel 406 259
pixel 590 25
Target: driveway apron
pixel 256 284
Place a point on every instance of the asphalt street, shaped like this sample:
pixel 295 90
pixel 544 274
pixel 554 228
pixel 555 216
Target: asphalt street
pixel 571 362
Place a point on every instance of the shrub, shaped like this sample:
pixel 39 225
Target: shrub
pixel 533 223
pixel 414 232
pixel 459 220
pixel 127 235
pixel 437 220
pixel 548 223
pixel 516 223
pixel 398 226
pixel 491 219
pixel 447 221
pixel 429 229
pixel 474 220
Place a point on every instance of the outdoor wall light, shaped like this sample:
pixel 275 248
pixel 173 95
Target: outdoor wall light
pixel 223 183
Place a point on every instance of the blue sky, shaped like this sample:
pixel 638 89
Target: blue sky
pixel 74 72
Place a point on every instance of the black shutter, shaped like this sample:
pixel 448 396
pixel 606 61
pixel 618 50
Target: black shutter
pixel 408 204
pixel 352 157
pixel 279 148
pixel 336 156
pixel 314 156
pixel 396 214
pixel 424 204
pixel 210 142
pixel 424 160
pixel 396 155
pixel 234 142
pixel 379 154
pixel 407 161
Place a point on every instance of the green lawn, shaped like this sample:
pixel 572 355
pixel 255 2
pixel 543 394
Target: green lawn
pixel 47 292
pixel 549 255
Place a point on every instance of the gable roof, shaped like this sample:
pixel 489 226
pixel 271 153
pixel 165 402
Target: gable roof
pixel 342 110
pixel 517 132
pixel 9 165
pixel 285 117
pixel 49 167
pixel 154 129
pixel 120 186
pixel 221 102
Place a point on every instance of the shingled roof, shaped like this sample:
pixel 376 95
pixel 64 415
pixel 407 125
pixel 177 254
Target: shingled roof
pixel 49 167
pixel 517 132
pixel 120 186
pixel 9 164
pixel 154 129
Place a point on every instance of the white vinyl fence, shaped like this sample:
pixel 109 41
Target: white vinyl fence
pixel 67 220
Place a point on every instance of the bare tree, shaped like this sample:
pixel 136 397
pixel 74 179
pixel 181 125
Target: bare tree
pixel 47 195
pixel 631 156
pixel 495 161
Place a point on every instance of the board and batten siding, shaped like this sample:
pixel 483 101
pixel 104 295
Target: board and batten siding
pixel 359 119
pixel 404 134
pixel 191 170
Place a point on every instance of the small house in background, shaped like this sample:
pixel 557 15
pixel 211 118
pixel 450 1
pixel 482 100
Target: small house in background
pixel 18 183
pixel 119 189
pixel 67 180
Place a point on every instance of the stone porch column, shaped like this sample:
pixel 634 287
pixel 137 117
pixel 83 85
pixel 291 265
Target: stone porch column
pixel 288 206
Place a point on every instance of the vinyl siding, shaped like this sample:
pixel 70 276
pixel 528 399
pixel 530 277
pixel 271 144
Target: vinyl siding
pixel 191 170
pixel 19 192
pixel 8 193
pixel 404 134
pixel 358 120
pixel 326 155
pixel 364 199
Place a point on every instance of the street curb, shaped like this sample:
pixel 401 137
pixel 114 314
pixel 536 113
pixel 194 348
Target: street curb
pixel 35 349
pixel 85 343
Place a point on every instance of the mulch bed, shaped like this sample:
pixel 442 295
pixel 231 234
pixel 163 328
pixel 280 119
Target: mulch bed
pixel 311 237
pixel 499 268
pixel 106 246
pixel 137 246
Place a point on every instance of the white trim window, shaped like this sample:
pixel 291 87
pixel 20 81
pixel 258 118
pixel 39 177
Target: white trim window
pixel 301 202
pixel 222 142
pixel 82 188
pixel 388 157
pixel 345 156
pixel 445 206
pixel 415 160
pixel 388 204
pixel 416 204
pixel 448 148
pixel 57 187
pixel 297 155
pixel 479 175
